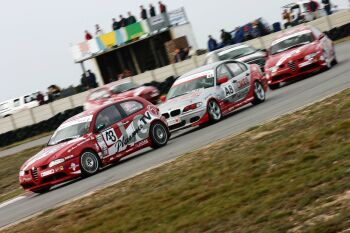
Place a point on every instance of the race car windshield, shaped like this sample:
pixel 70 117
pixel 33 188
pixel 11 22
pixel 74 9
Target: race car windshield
pixel 236 53
pixel 191 85
pixel 69 133
pixel 291 42
pixel 99 94
pixel 123 88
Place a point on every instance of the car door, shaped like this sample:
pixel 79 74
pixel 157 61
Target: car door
pixel 241 79
pixel 135 125
pixel 106 128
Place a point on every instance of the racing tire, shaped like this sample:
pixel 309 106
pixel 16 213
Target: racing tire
pixel 274 86
pixel 89 163
pixel 259 93
pixel 335 61
pixel 214 111
pixel 42 190
pixel 159 135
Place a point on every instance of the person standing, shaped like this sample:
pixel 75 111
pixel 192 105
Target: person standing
pixel 88 36
pixel 84 82
pixel 313 8
pixel 143 13
pixel 226 37
pixel 98 31
pixel 91 80
pixel 162 7
pixel 122 21
pixel 327 6
pixel 212 44
pixel 115 24
pixel 287 17
pixel 131 19
pixel 152 10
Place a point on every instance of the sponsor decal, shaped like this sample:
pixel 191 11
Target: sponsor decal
pixel 61 168
pixel 73 167
pixel 47 173
pixel 68 157
pixel 137 131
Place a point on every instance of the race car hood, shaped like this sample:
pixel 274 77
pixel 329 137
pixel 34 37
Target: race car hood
pixel 291 55
pixel 50 153
pixel 250 57
pixel 180 102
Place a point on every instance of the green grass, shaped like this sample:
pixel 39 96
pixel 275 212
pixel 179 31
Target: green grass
pixel 9 184
pixel 292 174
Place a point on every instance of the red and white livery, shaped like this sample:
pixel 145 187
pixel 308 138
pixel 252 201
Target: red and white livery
pixel 297 52
pixel 88 141
pixel 212 91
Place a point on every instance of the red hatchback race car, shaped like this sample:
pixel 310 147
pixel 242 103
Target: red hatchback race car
pixel 298 52
pixel 120 90
pixel 88 141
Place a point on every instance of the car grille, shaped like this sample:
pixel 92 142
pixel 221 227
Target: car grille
pixel 35 173
pixel 292 65
pixel 166 115
pixel 175 113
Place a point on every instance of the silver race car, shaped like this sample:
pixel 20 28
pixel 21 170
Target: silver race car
pixel 212 91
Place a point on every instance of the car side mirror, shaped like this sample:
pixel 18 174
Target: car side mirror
pixel 100 127
pixel 321 36
pixel 222 80
pixel 163 98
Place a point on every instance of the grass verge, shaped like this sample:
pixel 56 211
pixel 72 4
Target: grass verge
pixel 290 175
pixel 9 186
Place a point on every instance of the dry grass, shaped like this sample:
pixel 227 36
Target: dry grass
pixel 294 176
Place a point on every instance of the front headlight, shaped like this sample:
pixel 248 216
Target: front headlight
pixel 21 173
pixel 192 107
pixel 56 162
pixel 274 69
pixel 310 56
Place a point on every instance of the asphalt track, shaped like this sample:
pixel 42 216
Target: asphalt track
pixel 279 102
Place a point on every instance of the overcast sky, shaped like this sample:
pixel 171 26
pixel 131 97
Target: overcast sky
pixel 36 34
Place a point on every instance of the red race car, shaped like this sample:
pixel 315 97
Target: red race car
pixel 120 90
pixel 88 141
pixel 298 52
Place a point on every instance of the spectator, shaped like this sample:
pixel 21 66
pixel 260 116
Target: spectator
pixel 226 37
pixel 162 7
pixel 143 13
pixel 152 10
pixel 122 21
pixel 115 24
pixel 212 44
pixel 180 55
pixel 131 19
pixel 99 31
pixel 40 98
pixel 287 17
pixel 91 80
pixel 84 82
pixel 53 92
pixel 88 36
pixel 327 6
pixel 313 7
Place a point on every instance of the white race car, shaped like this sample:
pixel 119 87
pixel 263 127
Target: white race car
pixel 208 93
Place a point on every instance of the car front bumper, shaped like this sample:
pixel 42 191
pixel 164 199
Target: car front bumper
pixel 188 119
pixel 47 177
pixel 296 69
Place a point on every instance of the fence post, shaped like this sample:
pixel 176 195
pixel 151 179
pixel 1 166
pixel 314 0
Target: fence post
pixel 329 23
pixel 263 46
pixel 174 69
pixel 32 115
pixel 13 122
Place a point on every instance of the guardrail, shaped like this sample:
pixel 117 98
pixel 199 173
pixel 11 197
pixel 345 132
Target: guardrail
pixel 41 113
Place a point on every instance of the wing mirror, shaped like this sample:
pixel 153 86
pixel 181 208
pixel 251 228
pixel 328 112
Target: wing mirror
pixel 163 99
pixel 100 127
pixel 321 36
pixel 222 80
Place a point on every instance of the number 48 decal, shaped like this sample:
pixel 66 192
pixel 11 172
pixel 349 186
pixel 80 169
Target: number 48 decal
pixel 109 136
